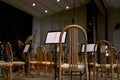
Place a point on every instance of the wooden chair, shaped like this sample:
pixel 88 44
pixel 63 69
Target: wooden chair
pixel 19 66
pixel 73 67
pixel 116 59
pixel 104 61
pixel 31 63
pixel 42 58
pixel 13 64
pixel 30 54
pixel 40 63
pixel 8 63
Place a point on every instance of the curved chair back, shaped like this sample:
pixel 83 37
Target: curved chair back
pixel 8 52
pixel 72 64
pixel 104 59
pixel 41 53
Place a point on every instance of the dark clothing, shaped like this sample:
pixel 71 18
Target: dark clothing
pixel 18 51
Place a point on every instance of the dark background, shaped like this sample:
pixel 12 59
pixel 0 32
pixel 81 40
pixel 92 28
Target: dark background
pixel 14 24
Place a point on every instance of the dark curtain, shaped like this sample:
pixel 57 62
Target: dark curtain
pixel 14 24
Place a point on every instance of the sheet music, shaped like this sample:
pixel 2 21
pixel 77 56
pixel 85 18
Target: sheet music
pixel 53 37
pixel 90 47
pixel 26 48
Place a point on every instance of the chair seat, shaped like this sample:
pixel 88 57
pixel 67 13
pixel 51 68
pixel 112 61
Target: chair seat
pixel 33 62
pixel 105 65
pixel 2 61
pixel 6 64
pixel 18 62
pixel 43 62
pixel 48 62
pixel 78 67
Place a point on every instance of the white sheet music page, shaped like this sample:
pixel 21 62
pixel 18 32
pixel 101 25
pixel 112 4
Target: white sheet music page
pixel 53 37
pixel 26 48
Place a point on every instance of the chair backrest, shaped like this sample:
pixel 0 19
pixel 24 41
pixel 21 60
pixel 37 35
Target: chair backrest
pixel 41 53
pixel 72 55
pixel 104 57
pixel 8 52
pixel 115 55
pixel 104 50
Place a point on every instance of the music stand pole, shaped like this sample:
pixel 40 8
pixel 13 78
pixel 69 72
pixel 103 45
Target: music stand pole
pixel 89 57
pixel 55 61
pixel 27 72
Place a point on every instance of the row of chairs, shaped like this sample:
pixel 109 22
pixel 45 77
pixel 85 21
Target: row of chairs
pixel 105 58
pixel 8 65
pixel 105 64
pixel 42 62
pixel 39 64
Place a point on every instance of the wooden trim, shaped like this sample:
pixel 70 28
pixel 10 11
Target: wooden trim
pixel 101 7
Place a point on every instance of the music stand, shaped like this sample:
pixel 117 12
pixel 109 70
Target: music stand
pixel 26 50
pixel 53 38
pixel 90 49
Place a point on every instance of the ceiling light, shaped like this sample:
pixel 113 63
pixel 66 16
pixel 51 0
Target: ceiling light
pixel 58 0
pixel 46 11
pixel 67 7
pixel 33 4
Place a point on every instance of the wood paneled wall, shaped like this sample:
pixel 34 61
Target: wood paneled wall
pixel 101 20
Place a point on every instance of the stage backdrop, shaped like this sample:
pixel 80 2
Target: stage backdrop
pixel 14 24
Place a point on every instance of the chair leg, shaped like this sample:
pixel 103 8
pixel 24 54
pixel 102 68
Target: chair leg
pixel 45 72
pixel 23 72
pixel 4 75
pixel 80 75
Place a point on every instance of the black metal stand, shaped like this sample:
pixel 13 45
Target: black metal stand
pixel 27 73
pixel 89 60
pixel 55 61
